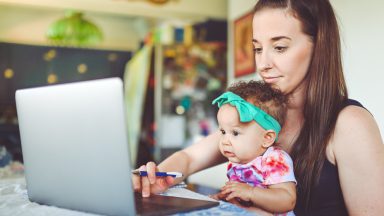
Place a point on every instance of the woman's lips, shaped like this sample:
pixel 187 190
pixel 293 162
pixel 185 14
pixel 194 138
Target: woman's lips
pixel 271 79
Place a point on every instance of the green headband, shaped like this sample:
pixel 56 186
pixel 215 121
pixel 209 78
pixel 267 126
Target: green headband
pixel 248 111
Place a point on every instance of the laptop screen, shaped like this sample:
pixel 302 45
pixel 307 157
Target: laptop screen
pixel 75 148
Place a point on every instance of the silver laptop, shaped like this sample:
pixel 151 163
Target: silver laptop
pixel 75 150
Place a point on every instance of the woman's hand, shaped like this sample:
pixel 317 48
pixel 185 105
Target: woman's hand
pixel 151 184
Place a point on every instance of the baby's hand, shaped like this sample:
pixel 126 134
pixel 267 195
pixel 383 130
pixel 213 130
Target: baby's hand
pixel 233 189
pixel 218 196
pixel 214 196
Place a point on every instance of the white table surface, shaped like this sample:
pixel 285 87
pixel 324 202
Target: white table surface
pixel 14 202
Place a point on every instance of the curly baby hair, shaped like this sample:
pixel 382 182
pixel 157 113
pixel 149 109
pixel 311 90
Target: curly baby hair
pixel 262 95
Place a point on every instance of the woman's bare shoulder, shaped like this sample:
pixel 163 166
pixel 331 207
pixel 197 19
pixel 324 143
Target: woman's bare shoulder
pixel 355 118
pixel 356 129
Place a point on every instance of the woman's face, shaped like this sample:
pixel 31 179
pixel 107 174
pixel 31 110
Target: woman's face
pixel 282 51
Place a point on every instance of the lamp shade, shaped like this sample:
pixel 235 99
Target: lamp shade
pixel 158 1
pixel 73 29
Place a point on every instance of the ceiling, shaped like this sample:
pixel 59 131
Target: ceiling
pixel 124 22
pixel 180 9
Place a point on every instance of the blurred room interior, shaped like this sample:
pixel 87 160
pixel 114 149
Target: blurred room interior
pixel 174 57
pixel 171 55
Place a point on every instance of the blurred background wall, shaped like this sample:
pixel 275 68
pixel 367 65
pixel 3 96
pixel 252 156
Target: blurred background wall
pixel 126 24
pixel 362 33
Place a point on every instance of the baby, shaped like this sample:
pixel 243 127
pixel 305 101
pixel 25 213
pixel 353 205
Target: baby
pixel 260 175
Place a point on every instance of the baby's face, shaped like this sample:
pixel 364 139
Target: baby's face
pixel 239 142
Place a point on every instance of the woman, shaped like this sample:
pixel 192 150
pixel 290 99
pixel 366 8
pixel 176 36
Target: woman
pixel 335 143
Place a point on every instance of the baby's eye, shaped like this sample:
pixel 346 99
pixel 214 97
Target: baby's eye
pixel 222 131
pixel 235 133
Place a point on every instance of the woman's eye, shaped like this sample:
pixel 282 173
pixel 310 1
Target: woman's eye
pixel 222 131
pixel 235 133
pixel 280 48
pixel 257 50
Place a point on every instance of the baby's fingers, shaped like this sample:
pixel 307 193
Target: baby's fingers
pixel 231 196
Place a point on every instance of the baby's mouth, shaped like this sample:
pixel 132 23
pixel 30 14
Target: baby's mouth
pixel 229 154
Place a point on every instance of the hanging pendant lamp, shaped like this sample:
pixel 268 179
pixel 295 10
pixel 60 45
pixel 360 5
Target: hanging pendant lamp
pixel 155 2
pixel 159 1
pixel 73 29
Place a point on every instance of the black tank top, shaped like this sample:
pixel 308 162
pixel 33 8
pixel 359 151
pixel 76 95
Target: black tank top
pixel 327 198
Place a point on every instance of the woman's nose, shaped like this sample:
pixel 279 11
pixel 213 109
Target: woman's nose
pixel 263 62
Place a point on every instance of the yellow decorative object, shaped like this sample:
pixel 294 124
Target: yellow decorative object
pixel 188 35
pixel 8 73
pixel 52 78
pixel 51 54
pixel 170 53
pixel 156 2
pixel 112 57
pixel 82 68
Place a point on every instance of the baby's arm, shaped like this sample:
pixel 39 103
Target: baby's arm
pixel 277 198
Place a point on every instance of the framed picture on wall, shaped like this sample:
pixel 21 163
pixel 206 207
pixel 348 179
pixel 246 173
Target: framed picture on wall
pixel 244 61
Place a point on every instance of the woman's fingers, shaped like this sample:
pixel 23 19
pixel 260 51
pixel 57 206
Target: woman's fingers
pixel 162 184
pixel 151 183
pixel 169 180
pixel 136 181
pixel 151 170
pixel 145 184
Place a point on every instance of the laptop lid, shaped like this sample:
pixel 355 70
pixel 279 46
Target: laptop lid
pixel 75 150
pixel 74 144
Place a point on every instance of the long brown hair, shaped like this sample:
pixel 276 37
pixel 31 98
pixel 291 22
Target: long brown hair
pixel 326 90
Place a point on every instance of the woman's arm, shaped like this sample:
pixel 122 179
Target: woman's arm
pixel 196 157
pixel 358 151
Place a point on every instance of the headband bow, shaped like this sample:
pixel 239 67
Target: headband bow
pixel 248 111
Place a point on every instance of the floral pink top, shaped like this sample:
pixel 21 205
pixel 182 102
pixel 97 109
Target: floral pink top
pixel 273 167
